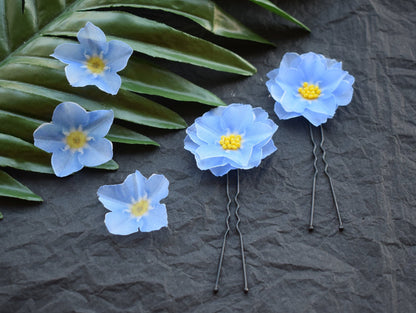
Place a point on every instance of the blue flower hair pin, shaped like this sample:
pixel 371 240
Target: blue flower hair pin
pixel 312 86
pixel 231 138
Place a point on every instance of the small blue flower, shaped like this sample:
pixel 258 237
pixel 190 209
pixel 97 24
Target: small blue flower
pixel 309 85
pixel 232 137
pixel 75 138
pixel 94 61
pixel 135 204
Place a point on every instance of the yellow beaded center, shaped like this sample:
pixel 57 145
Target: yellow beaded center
pixel 231 142
pixel 76 139
pixel 140 207
pixel 95 65
pixel 309 91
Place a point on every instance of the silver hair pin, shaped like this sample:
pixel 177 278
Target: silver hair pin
pixel 341 225
pixel 227 224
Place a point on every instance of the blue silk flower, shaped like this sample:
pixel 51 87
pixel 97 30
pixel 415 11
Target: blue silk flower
pixel 309 85
pixel 236 136
pixel 135 204
pixel 94 61
pixel 75 138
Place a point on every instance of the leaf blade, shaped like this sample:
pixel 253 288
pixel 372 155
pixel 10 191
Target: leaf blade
pixel 9 187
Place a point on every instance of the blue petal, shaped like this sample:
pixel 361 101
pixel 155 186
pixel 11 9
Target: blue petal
pixel 108 82
pixel 260 115
pixel 312 67
pixel 291 79
pixel 290 59
pixel 268 149
pixel 190 145
pixel 69 53
pixel 157 188
pixel 324 105
pixel 120 223
pixel 315 118
pixel 117 55
pixel 236 117
pixel 273 74
pixel 207 134
pixel 65 163
pixel 331 80
pixel 98 151
pixel 49 137
pixel 282 114
pixel 257 133
pixel 222 170
pixel 135 184
pixel 343 94
pixel 156 219
pixel 211 151
pixel 275 90
pixel 99 122
pixel 293 102
pixel 206 164
pixel 69 115
pixel 92 39
pixel 78 76
pixel 115 197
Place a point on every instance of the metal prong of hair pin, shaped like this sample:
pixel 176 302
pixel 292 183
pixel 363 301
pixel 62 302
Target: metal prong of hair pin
pixel 227 138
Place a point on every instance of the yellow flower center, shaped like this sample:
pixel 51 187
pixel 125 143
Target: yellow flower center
pixel 76 139
pixel 309 91
pixel 95 65
pixel 140 207
pixel 231 142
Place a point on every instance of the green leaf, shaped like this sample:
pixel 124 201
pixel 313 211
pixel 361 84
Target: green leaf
pixel 155 39
pixel 110 165
pixel 204 12
pixel 9 187
pixel 276 10
pixel 123 135
pixel 17 153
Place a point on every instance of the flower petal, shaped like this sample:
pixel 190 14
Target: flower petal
pixel 157 188
pixel 156 219
pixel 275 90
pixel 65 163
pixel 293 102
pixel 236 117
pixel 312 66
pixel 221 170
pixel 78 76
pixel 331 80
pixel 49 137
pixel 108 82
pixel 273 74
pixel 98 151
pixel 324 105
pixel 115 197
pixel 315 118
pixel 290 79
pixel 93 39
pixel 69 53
pixel 343 94
pixel 120 223
pixel 268 149
pixel 99 122
pixel 117 55
pixel 69 115
pixel 290 59
pixel 282 114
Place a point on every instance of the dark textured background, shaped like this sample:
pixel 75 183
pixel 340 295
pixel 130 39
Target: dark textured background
pixel 59 257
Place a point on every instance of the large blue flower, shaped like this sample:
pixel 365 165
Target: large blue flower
pixel 309 85
pixel 75 138
pixel 135 204
pixel 94 61
pixel 232 137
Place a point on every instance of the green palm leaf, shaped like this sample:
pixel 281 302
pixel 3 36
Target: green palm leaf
pixel 32 83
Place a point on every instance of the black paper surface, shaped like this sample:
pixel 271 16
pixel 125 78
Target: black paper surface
pixel 59 257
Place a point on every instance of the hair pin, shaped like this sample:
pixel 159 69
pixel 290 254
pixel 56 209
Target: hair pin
pixel 231 138
pixel 312 86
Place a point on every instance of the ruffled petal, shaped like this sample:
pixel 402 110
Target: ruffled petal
pixel 206 133
pixel 313 68
pixel 268 149
pixel 65 163
pixel 293 102
pixel 69 115
pixel 99 122
pixel 98 151
pixel 324 105
pixel 117 55
pixel 275 90
pixel 120 223
pixel 343 94
pixel 49 137
pixel 157 188
pixel 273 74
pixel 315 118
pixel 290 59
pixel 290 79
pixel 282 114
pixel 221 170
pixel 236 117
pixel 331 80
pixel 156 219
pixel 69 53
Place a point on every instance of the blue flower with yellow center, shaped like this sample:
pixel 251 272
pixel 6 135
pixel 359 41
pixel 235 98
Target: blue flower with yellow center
pixel 237 136
pixel 75 138
pixel 309 85
pixel 94 61
pixel 135 204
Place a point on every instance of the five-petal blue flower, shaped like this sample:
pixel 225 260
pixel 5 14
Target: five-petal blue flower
pixel 75 138
pixel 309 85
pixel 237 136
pixel 94 61
pixel 135 204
